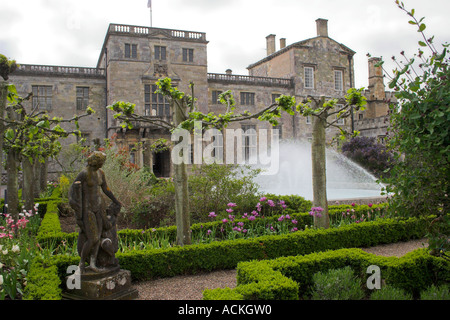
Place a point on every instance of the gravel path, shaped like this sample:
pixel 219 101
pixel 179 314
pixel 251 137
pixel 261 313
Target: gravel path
pixel 190 287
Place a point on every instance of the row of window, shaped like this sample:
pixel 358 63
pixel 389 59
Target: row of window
pixel 42 97
pixel 159 52
pixel 309 79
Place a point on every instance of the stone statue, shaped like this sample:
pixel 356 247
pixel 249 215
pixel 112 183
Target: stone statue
pixel 97 240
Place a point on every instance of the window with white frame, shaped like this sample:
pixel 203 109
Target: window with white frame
pixel 309 77
pixel 338 80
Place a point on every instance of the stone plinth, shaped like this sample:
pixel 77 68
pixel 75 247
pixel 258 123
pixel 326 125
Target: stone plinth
pixel 109 285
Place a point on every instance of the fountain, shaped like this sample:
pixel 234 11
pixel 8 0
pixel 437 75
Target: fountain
pixel 345 179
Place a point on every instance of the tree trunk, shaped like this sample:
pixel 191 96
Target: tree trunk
pixel 319 177
pixel 43 174
pixel 180 179
pixel 12 184
pixel 28 184
pixel 37 178
pixel 3 96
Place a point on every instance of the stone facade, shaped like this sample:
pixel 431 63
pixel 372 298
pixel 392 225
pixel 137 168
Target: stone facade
pixel 133 58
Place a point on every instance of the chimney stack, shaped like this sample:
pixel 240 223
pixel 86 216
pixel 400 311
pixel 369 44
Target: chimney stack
pixel 282 43
pixel 376 85
pixel 322 27
pixel 270 39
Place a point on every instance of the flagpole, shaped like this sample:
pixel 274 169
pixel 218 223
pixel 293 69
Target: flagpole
pixel 149 5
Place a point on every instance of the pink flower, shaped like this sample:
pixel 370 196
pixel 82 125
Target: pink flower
pixel 353 204
pixel 294 221
pixel 370 205
pixel 229 210
pixel 212 214
pixel 271 203
pixel 281 218
pixel 224 221
pixel 251 218
pixel 231 204
pixel 263 199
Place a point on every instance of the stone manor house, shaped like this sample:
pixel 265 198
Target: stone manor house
pixel 133 58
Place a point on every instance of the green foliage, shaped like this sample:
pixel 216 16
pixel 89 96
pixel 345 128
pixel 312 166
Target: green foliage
pixel 390 293
pixel 436 293
pixel 43 281
pixel 7 67
pixel 212 186
pixel 337 284
pixel 302 268
pixel 420 125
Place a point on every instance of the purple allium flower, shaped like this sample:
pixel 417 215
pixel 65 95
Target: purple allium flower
pixel 208 232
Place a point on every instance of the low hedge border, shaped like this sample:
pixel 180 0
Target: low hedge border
pixel 289 278
pixel 155 263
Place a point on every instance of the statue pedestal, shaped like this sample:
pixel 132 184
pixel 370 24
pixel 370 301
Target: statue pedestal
pixel 112 284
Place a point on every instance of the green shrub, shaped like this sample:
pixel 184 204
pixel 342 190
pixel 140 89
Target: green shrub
pixel 390 293
pixel 436 293
pixel 43 281
pixel 337 284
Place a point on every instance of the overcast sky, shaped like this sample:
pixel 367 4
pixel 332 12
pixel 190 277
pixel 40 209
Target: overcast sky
pixel 71 32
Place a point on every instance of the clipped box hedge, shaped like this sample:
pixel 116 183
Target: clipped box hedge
pixel 191 259
pixel 156 263
pixel 291 277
